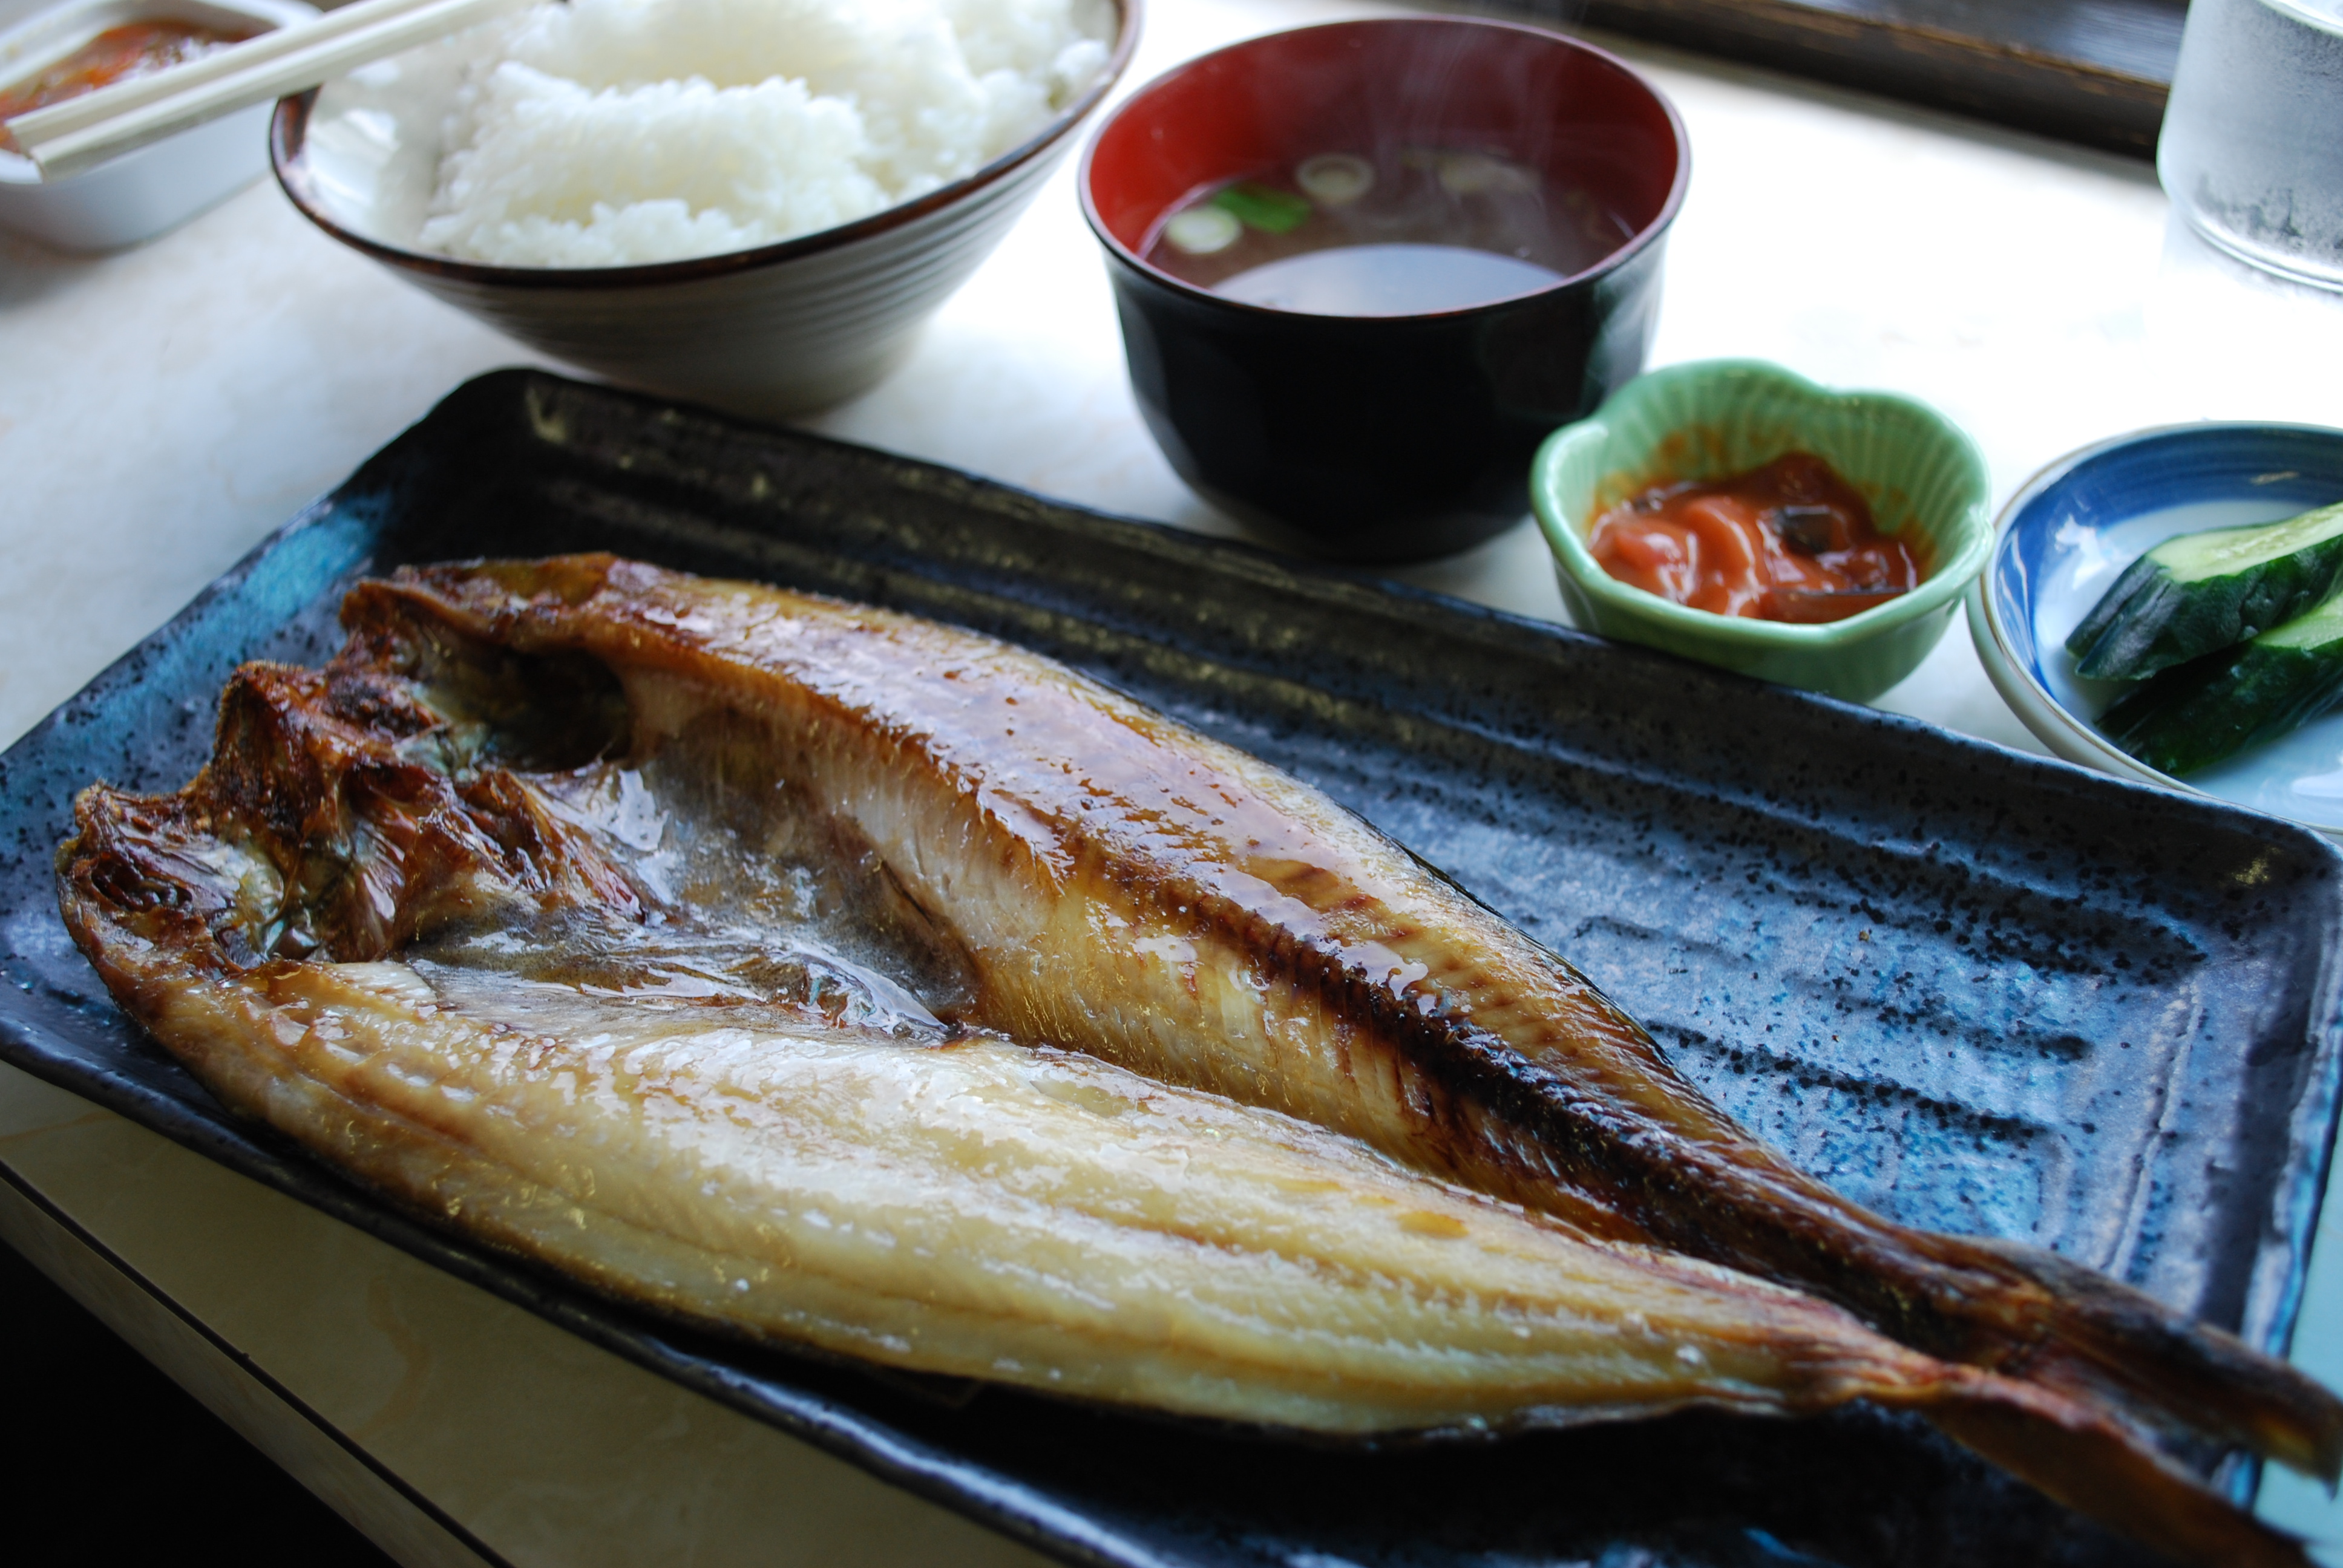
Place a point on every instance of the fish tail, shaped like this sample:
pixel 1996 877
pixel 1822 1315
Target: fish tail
pixel 1998 1306
pixel 2109 1343
pixel 2073 1453
pixel 2027 1314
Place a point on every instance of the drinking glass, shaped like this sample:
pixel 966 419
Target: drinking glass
pixel 2252 148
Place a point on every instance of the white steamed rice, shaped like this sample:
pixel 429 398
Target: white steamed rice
pixel 604 133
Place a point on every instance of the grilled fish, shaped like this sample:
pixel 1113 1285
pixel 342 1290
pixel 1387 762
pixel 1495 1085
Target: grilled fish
pixel 852 978
pixel 974 1207
pixel 1121 886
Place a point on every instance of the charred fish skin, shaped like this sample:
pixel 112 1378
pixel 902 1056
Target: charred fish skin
pixel 1129 888
pixel 347 812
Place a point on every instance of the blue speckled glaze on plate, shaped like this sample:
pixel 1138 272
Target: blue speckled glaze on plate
pixel 2066 536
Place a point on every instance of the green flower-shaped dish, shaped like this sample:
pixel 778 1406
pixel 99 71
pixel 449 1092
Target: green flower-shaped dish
pixel 1922 476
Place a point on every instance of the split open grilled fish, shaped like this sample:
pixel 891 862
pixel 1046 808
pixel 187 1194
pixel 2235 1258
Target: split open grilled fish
pixel 850 978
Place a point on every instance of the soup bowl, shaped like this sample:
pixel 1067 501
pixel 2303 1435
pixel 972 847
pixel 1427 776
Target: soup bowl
pixel 1384 437
pixel 766 331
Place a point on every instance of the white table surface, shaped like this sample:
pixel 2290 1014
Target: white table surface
pixel 161 410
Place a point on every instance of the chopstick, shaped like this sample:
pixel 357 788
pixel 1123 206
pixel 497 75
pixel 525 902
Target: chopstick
pixel 80 133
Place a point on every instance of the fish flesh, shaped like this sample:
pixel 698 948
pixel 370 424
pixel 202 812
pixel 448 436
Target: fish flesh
pixel 849 979
pixel 976 1208
pixel 1115 884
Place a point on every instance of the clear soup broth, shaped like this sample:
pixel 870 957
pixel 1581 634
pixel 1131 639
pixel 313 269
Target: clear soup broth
pixel 1416 230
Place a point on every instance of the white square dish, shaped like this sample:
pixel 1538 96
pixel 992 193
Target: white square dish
pixel 142 193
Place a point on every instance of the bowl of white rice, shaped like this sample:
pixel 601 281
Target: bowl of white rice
pixel 753 204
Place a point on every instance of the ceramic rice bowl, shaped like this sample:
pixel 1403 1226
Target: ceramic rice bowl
pixel 768 331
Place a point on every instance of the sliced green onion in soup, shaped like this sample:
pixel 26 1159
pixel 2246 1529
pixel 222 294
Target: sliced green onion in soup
pixel 1264 207
pixel 1478 174
pixel 1335 179
pixel 1201 230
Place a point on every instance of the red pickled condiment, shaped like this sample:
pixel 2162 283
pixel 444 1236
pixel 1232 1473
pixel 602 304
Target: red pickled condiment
pixel 117 54
pixel 1791 542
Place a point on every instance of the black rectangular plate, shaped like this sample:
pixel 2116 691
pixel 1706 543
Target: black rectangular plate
pixel 1978 991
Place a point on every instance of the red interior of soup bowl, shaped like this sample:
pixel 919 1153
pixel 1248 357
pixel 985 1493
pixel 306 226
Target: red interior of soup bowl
pixel 1579 116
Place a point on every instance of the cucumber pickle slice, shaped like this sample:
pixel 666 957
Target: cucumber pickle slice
pixel 2199 592
pixel 2195 715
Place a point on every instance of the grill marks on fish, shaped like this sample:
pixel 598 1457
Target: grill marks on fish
pixel 663 863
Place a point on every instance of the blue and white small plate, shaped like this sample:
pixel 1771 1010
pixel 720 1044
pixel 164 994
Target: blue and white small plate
pixel 2071 531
